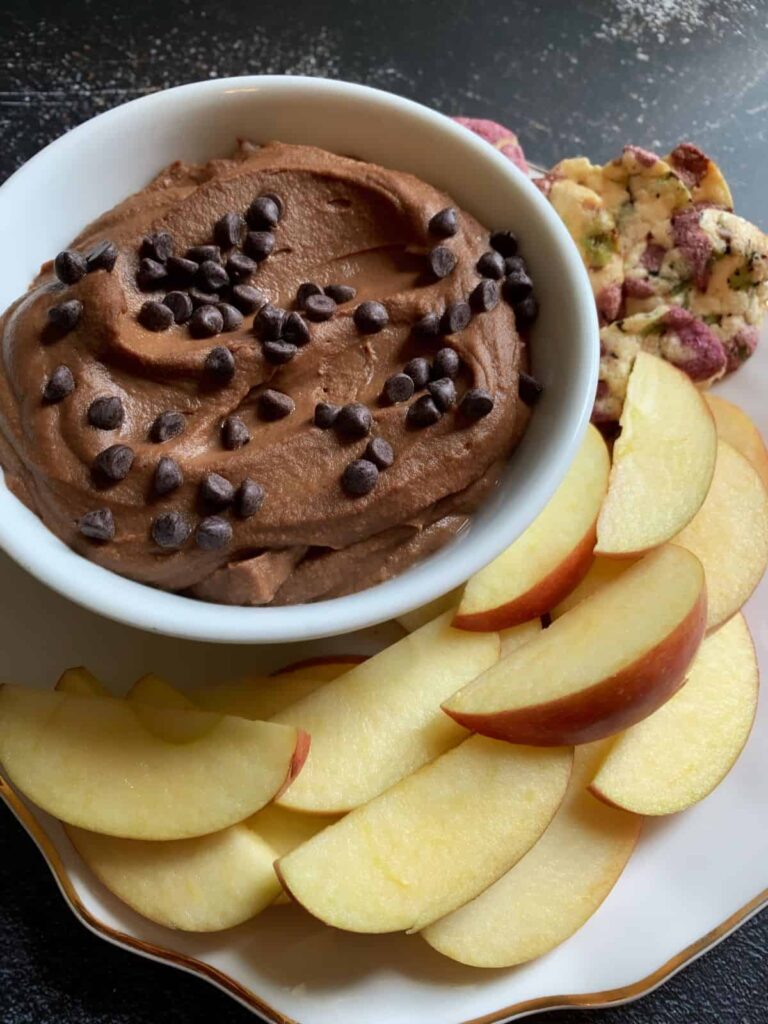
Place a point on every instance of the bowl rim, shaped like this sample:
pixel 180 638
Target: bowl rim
pixel 136 604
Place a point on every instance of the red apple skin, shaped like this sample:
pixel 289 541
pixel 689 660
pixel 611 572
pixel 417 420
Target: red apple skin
pixel 300 755
pixel 541 598
pixel 326 659
pixel 610 706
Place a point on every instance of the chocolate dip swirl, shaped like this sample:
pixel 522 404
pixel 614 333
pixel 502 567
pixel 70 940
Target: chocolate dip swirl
pixel 343 222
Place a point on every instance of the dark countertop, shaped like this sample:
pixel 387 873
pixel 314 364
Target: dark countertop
pixel 571 77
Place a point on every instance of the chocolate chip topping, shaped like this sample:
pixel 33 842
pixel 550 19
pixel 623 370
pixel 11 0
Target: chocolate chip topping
pixel 180 270
pixel 263 213
pixel 476 403
pixel 150 274
pixel 517 286
pixel 234 433
pixel 359 478
pixel 398 388
pixel 213 533
pixel 354 420
pixel 371 317
pixel 418 370
pixel 216 491
pixel 201 298
pixel 247 298
pixel 106 413
pixel 155 316
pixel 456 317
pixel 445 223
pixel 201 253
pixel 423 413
pixel 428 326
pixel 249 499
pixel 379 452
pixel 491 264
pixel 442 261
pixel 340 293
pixel 59 385
pixel 295 329
pixel 228 230
pixel 326 415
pixel 306 291
pixel 114 463
pixel 240 266
pixel 219 365
pixel 275 405
pixel 231 317
pixel 97 525
pixel 443 392
pixel 259 244
pixel 319 308
pixel 513 264
pixel 485 296
pixel 66 315
pixel 69 266
pixel 167 477
pixel 167 425
pixel 526 311
pixel 279 352
pixel 211 276
pixel 504 242
pixel 170 530
pixel 445 364
pixel 206 322
pixel 529 389
pixel 268 324
pixel 180 306
pixel 102 257
pixel 158 246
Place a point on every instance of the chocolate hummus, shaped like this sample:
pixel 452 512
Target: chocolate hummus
pixel 269 379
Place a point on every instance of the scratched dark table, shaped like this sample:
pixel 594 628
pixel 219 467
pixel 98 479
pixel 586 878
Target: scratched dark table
pixel 571 77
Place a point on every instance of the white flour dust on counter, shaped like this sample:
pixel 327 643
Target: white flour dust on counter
pixel 633 20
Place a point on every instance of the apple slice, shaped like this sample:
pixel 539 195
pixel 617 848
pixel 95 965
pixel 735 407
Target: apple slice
pixel 729 534
pixel 324 668
pixel 81 682
pixel 427 612
pixel 677 756
pixel 550 558
pixel 663 460
pixel 516 636
pixel 556 887
pixel 382 720
pixel 735 427
pixel 602 571
pixel 606 664
pixel 433 841
pixel 102 764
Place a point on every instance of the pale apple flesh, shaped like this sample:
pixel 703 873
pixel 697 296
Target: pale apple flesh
pixel 735 427
pixel 419 617
pixel 433 841
pixel 602 571
pixel 516 636
pixel 324 668
pixel 603 666
pixel 554 889
pixel 81 682
pixel 550 558
pixel 684 750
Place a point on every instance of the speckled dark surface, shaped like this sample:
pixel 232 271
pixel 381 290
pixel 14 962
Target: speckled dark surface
pixel 571 77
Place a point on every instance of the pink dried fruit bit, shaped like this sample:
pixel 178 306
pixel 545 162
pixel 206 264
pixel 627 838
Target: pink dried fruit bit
pixel 692 345
pixel 499 137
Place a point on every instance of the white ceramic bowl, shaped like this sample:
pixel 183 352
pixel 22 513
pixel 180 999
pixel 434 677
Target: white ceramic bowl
pixel 45 204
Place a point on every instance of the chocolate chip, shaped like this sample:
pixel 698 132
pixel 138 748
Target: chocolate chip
pixel 428 326
pixel 60 384
pixel 526 311
pixel 306 291
pixel 275 405
pixel 485 296
pixel 106 413
pixel 167 425
pixel 180 270
pixel 276 200
pixel 398 388
pixel 476 403
pixel 201 253
pixel 418 370
pixel 103 257
pixel 340 293
pixel 180 306
pixel 380 453
pixel 263 213
pixel 517 286
pixel 268 325
pixel 211 276
pixel 326 415
pixel 423 412
pixel 456 317
pixel 319 308
pixel 279 352
pixel 371 317
pixel 150 274
pixel 206 322
pixel 259 244
pixel 170 530
pixel 167 476
pixel 216 491
pixel 513 264
pixel 234 433
pixel 445 364
pixel 249 499
pixel 504 242
pixel 529 389
pixel 354 420
pixel 444 223
pixel 200 298
pixel 240 266
pixel 213 533
pixel 66 315
pixel 295 329
pixel 359 478
pixel 114 463
pixel 232 318
pixel 97 525
pixel 228 230
pixel 443 392
pixel 491 264
pixel 155 316
pixel 158 246
pixel 442 261
pixel 247 298
pixel 219 365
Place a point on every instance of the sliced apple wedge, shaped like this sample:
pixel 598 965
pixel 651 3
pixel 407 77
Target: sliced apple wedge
pixel 433 841
pixel 735 427
pixel 663 460
pixel 102 764
pixel 81 682
pixel 158 693
pixel 516 636
pixel 554 889
pixel 677 756
pixel 602 571
pixel 427 612
pixel 551 556
pixel 729 534
pixel 382 719
pixel 606 664
pixel 324 668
